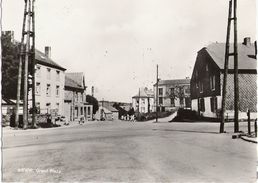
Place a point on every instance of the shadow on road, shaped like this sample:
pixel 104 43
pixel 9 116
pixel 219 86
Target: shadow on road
pixel 187 131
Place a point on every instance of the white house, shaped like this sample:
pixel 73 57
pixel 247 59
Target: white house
pixel 49 83
pixel 143 101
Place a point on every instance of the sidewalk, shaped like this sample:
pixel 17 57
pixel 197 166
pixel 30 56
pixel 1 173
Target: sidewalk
pixel 8 129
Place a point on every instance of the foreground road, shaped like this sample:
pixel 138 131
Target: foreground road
pixel 128 152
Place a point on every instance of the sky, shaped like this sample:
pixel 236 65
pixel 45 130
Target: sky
pixel 118 43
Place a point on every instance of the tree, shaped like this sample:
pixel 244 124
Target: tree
pixel 10 64
pixel 131 112
pixel 177 92
pixel 93 101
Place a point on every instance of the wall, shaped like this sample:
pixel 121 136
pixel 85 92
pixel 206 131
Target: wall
pixel 167 100
pixel 247 92
pixel 143 105
pixel 42 98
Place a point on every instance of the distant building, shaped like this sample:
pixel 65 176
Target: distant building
pixel 106 111
pixel 49 83
pixel 75 105
pixel 207 80
pixel 172 94
pixel 143 101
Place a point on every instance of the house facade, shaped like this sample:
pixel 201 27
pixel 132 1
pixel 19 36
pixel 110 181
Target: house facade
pixel 49 83
pixel 75 105
pixel 172 94
pixel 107 113
pixel 207 80
pixel 143 101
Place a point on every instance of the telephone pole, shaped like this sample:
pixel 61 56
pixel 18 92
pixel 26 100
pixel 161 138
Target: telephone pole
pixel 157 95
pixel 27 60
pixel 236 87
pixel 236 84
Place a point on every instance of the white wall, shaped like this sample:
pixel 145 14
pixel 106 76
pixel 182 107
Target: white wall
pixel 42 98
pixel 143 104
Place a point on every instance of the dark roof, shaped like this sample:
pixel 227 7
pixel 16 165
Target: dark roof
pixel 71 83
pixel 144 93
pixel 74 80
pixel 110 108
pixel 41 58
pixel 246 56
pixel 174 82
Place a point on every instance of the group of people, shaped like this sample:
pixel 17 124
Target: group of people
pixel 128 117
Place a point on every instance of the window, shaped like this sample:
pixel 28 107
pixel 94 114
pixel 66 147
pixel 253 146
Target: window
pixel 75 97
pixel 57 90
pixel 172 91
pixel 143 101
pixel 201 87
pixel 48 73
pixel 57 75
pixel 214 105
pixel 212 82
pixel 38 71
pixel 37 88
pixel 196 84
pixel 181 101
pixel 207 67
pixel 48 90
pixel 201 104
pixel 48 105
pixel 160 91
pixel 172 102
pixel 160 100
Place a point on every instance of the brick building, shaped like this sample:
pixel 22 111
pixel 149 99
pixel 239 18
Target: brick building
pixel 207 80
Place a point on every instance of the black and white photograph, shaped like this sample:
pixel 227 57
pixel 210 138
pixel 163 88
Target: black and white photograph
pixel 129 91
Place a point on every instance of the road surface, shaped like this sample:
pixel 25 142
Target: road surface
pixel 122 151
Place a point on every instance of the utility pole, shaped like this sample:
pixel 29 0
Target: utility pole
pixel 139 104
pixel 157 95
pixel 27 57
pixel 236 85
pixel 224 90
pixel 21 59
pixel 33 68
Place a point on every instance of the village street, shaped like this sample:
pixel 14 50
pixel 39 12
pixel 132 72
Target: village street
pixel 129 152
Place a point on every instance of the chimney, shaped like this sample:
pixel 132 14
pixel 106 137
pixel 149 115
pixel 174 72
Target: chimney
pixel 247 41
pixel 48 51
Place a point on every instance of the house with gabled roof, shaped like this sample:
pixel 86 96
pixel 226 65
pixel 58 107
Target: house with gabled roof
pixel 172 94
pixel 143 101
pixel 106 111
pixel 49 83
pixel 75 104
pixel 207 80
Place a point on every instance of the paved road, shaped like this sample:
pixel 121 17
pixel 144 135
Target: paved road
pixel 129 152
